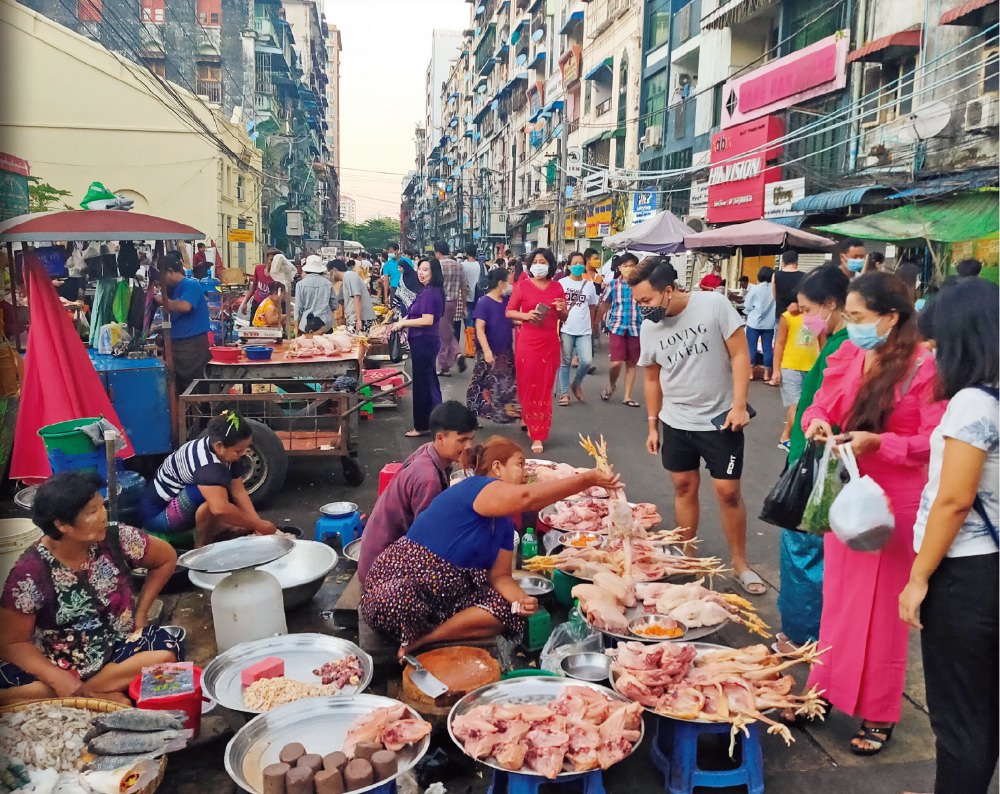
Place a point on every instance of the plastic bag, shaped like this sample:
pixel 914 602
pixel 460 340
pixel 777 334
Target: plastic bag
pixel 830 479
pixel 112 336
pixel 396 347
pixel 573 636
pixel 861 516
pixel 786 502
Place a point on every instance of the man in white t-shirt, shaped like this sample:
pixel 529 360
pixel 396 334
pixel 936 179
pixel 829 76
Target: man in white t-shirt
pixel 576 334
pixel 694 348
pixel 473 270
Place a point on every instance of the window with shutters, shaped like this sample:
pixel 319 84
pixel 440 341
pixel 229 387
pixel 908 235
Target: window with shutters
pixel 210 13
pixel 887 91
pixel 153 11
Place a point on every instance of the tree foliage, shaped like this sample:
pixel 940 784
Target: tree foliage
pixel 43 197
pixel 374 234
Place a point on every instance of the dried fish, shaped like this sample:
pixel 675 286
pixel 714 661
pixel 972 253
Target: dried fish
pixel 140 720
pixel 131 743
pixel 109 763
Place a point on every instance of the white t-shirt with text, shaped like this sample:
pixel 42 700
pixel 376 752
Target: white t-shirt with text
pixel 580 296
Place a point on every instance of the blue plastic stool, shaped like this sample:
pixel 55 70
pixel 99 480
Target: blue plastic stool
pixel 675 753
pixel 514 783
pixel 385 788
pixel 347 527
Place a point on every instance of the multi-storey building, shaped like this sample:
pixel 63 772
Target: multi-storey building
pixel 348 210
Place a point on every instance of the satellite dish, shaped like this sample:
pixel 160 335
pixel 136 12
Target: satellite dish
pixel 468 118
pixel 926 121
pixel 494 105
pixel 522 58
pixel 538 34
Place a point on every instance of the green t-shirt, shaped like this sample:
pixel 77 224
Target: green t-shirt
pixel 810 385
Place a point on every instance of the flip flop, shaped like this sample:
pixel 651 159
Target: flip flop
pixel 564 400
pixel 606 395
pixel 415 434
pixel 748 579
pixel 630 403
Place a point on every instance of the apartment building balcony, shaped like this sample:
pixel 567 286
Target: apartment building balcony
pixel 603 14
pixel 601 108
pixel 211 90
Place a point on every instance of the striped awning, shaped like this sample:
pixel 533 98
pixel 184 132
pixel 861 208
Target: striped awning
pixel 732 12
pixel 966 14
pixel 836 199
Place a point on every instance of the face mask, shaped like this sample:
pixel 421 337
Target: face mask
pixel 865 335
pixel 507 290
pixel 855 265
pixel 577 270
pixel 815 323
pixel 539 271
pixel 652 313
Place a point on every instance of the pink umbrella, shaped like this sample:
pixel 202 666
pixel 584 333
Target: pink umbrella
pixel 765 237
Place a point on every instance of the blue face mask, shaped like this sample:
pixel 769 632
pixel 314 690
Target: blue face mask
pixel 577 270
pixel 866 335
pixel 855 265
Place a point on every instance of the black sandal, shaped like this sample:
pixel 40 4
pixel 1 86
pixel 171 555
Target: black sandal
pixel 630 403
pixel 878 737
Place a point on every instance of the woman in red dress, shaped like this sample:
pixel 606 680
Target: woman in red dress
pixel 540 304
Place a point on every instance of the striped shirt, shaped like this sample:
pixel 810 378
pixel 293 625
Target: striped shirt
pixel 193 464
pixel 623 317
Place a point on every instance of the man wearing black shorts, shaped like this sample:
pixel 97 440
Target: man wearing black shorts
pixel 694 349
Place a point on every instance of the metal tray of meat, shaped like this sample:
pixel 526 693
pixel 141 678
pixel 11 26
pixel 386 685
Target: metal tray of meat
pixel 236 554
pixel 539 690
pixel 302 653
pixel 320 725
pixel 699 648
pixel 638 611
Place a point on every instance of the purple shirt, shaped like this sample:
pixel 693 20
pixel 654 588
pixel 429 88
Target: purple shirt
pixel 499 330
pixel 423 476
pixel 429 301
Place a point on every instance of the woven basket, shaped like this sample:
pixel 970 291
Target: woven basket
pixel 101 707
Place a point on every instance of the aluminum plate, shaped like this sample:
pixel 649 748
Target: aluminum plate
pixel 320 725
pixel 542 689
pixel 302 653
pixel 308 561
pixel 235 555
pixel 638 611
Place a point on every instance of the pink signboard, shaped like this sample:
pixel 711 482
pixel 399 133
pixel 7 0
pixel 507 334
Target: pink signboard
pixel 810 72
pixel 736 184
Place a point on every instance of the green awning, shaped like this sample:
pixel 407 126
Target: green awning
pixel 618 133
pixel 594 139
pixel 967 216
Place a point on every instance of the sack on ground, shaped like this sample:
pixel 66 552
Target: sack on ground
pixel 786 502
pixel 830 480
pixel 861 516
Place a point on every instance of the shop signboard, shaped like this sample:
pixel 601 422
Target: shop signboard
pixel 735 183
pixel 14 173
pixel 574 161
pixel 570 63
pixel 698 201
pixel 779 197
pixel 240 236
pixel 810 72
pixel 599 220
pixel 536 97
pixel 570 225
pixel 643 205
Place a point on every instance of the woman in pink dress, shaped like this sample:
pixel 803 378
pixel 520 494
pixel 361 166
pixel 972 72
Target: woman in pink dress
pixel 878 396
pixel 537 354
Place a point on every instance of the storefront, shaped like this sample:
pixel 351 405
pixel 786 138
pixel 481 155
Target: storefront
pixel 736 184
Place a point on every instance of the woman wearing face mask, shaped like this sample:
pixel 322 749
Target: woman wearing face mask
pixel 492 391
pixel 422 323
pixel 540 304
pixel 878 397
pixel 576 334
pixel 800 599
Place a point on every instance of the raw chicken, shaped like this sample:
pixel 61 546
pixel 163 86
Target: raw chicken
pixel 374 726
pixel 403 732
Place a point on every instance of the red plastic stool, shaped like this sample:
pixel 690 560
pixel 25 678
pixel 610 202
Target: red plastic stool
pixel 389 470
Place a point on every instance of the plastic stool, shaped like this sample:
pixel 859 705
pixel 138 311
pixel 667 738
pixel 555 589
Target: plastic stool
pixel 514 783
pixel 389 470
pixel 367 409
pixel 675 753
pixel 347 527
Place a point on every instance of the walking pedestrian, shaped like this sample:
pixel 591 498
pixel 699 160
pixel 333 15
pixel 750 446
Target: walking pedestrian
pixel 423 320
pixel 359 314
pixel 455 289
pixel 878 391
pixel 314 295
pixel 576 334
pixel 759 309
pixel 623 320
pixel 795 352
pixel 390 274
pixel 850 254
pixel 785 284
pixel 697 364
pixel 821 299
pixel 951 595
pixel 540 304
pixel 406 292
pixel 492 392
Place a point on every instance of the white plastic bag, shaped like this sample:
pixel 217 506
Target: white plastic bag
pixel 573 636
pixel 861 516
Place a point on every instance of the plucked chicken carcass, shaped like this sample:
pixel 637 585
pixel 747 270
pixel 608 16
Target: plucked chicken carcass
pixel 547 470
pixel 321 345
pixel 579 731
pixel 390 725
pixel 649 562
pixel 593 515
pixel 695 605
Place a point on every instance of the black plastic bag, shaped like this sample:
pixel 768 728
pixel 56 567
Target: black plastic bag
pixel 396 347
pixel 786 502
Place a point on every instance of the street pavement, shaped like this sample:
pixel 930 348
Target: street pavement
pixel 819 760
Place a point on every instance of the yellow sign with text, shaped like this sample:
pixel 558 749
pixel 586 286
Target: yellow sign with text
pixel 241 235
pixel 598 220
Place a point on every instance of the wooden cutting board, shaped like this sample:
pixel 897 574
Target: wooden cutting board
pixel 461 667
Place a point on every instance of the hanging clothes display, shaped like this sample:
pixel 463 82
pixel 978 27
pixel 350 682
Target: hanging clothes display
pixel 123 297
pixel 103 311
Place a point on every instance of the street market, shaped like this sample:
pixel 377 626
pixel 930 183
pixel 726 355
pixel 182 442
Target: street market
pixel 300 498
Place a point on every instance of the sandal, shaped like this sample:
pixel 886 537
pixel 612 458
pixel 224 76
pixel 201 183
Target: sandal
pixel 606 395
pixel 749 579
pixel 877 737
pixel 416 433
pixel 564 400
pixel 630 403
pixel 537 447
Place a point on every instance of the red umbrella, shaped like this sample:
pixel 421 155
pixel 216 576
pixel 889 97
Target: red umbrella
pixel 93 225
pixel 60 382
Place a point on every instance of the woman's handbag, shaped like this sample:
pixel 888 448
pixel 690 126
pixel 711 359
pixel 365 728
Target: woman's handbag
pixel 861 516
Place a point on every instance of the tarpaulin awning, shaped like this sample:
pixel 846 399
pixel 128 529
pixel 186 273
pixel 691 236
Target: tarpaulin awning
pixel 970 180
pixel 60 382
pixel 575 18
pixel 74 225
pixel 967 13
pixel 792 221
pixel 594 139
pixel 835 199
pixel 971 216
pixel 763 235
pixel 889 47
pixel 662 234
pixel 595 73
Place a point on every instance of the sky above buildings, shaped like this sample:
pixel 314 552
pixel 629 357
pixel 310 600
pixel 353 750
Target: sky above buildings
pixel 387 46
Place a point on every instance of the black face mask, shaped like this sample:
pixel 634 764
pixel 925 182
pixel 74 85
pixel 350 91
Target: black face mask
pixel 653 313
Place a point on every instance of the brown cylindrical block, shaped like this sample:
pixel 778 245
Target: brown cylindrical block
pixel 329 781
pixel 367 749
pixel 312 761
pixel 335 760
pixel 357 774
pixel 385 764
pixel 299 781
pixel 291 753
pixel 274 778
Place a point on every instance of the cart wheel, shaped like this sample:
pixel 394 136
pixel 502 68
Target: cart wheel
pixel 354 473
pixel 267 464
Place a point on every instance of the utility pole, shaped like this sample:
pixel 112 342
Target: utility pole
pixel 560 218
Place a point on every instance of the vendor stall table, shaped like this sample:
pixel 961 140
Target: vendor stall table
pixel 281 365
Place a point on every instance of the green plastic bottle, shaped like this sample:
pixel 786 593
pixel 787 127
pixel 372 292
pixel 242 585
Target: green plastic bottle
pixel 529 545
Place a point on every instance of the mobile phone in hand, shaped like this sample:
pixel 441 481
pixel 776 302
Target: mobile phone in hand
pixel 720 420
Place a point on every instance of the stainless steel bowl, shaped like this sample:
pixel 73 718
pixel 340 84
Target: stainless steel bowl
pixel 591 539
pixel 352 551
pixel 587 666
pixel 536 586
pixel 338 509
pixel 637 624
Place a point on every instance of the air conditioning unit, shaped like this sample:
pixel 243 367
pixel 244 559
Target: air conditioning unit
pixel 981 113
pixel 695 223
pixel 653 136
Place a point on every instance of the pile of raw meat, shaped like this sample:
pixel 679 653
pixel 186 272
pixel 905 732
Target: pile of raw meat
pixel 391 726
pixel 321 345
pixel 341 671
pixel 734 685
pixel 548 470
pixel 592 515
pixel 580 730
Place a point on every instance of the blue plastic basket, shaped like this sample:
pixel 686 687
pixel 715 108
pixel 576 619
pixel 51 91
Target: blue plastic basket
pixel 258 352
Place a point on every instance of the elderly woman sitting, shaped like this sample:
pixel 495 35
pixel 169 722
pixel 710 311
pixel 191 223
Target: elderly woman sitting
pixel 70 621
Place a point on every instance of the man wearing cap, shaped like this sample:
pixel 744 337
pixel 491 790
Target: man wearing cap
pixel 314 295
pixel 184 299
pixel 359 314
